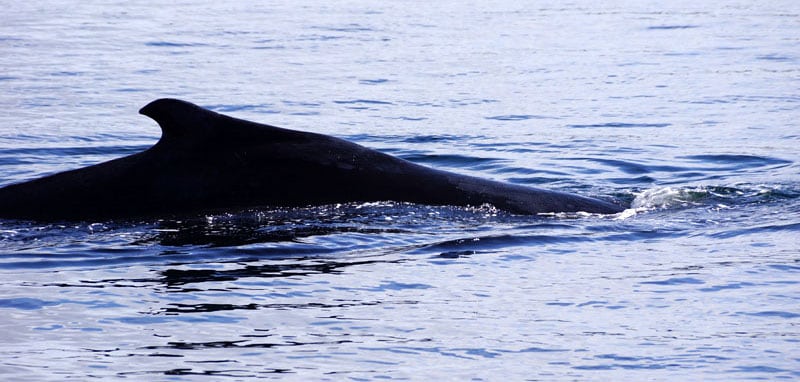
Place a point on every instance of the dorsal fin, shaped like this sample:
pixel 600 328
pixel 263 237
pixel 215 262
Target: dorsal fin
pixel 180 119
pixel 188 123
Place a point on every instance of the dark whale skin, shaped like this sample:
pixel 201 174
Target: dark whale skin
pixel 207 161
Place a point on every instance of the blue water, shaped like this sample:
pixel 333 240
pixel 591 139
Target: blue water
pixel 686 110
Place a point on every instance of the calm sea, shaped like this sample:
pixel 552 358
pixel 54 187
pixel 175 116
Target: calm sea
pixel 689 110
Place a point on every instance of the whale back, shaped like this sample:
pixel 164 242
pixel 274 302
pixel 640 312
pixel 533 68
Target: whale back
pixel 239 163
pixel 208 161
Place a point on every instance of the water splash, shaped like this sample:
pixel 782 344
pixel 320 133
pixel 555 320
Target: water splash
pixel 669 197
pixel 718 197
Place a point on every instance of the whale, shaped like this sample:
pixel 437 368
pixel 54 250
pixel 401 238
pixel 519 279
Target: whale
pixel 206 162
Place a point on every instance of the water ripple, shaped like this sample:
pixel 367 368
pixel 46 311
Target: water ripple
pixel 518 117
pixel 699 281
pixel 672 27
pixel 172 44
pixel 622 125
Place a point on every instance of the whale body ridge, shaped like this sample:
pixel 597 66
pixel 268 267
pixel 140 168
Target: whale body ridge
pixel 207 161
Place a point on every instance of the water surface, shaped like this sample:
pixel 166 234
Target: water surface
pixel 687 111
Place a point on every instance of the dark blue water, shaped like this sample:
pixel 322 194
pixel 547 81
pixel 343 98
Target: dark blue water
pixel 688 112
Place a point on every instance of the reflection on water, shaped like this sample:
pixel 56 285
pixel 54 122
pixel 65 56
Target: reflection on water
pixel 299 291
pixel 174 278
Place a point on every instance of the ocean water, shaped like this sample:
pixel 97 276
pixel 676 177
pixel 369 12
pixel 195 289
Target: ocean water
pixel 687 111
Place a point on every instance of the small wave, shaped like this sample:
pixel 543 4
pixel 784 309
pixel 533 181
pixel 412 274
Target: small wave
pixel 261 108
pixel 403 118
pixel 169 44
pixel 344 28
pixel 668 197
pixel 737 161
pixel 40 152
pixel 26 303
pixel 373 81
pixel 517 117
pixel 65 73
pixel 433 138
pixel 757 230
pixel 774 57
pixel 620 125
pixel 363 101
pixel 318 37
pixel 675 281
pixel 718 196
pixel 670 27
pixel 772 313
